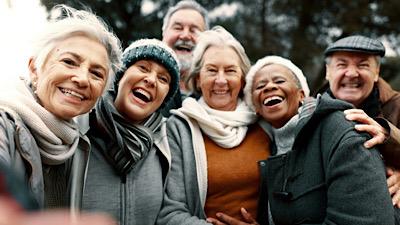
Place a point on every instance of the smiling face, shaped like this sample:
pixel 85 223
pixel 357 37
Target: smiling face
pixel 221 78
pixel 275 94
pixel 181 33
pixel 142 89
pixel 352 76
pixel 72 77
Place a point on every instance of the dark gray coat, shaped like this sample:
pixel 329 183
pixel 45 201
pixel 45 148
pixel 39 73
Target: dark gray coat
pixel 328 177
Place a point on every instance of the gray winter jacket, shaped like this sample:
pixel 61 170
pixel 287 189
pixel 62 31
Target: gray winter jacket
pixel 134 199
pixel 51 186
pixel 182 204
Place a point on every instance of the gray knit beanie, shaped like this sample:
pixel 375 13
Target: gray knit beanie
pixel 150 49
pixel 273 59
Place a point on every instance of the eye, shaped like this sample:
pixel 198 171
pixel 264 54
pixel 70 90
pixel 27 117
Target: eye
pixel 143 68
pixel 69 61
pixel 364 65
pixel 194 30
pixel 230 71
pixel 164 78
pixel 260 86
pixel 280 81
pixel 211 71
pixel 98 74
pixel 177 27
pixel 341 65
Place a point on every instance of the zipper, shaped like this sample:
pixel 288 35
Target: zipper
pixel 123 200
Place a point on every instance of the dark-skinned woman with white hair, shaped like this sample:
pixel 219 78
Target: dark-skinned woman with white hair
pixel 319 172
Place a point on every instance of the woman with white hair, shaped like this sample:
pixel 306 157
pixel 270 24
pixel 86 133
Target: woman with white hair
pixel 216 147
pixel 319 172
pixel 73 60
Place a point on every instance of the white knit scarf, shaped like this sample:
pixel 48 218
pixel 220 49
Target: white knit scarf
pixel 57 139
pixel 226 128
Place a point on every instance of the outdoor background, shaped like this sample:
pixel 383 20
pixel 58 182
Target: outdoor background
pixel 297 29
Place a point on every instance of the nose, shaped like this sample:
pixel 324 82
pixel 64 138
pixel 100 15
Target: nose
pixel 150 79
pixel 221 79
pixel 81 78
pixel 186 34
pixel 351 71
pixel 270 86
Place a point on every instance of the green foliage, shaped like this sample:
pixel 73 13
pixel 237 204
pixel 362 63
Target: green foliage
pixel 297 29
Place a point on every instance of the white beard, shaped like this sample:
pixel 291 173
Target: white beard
pixel 185 61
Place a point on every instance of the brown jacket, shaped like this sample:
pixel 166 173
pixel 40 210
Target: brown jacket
pixel 390 104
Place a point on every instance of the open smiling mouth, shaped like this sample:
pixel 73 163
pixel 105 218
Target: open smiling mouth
pixel 271 101
pixel 72 93
pixel 351 85
pixel 184 48
pixel 142 95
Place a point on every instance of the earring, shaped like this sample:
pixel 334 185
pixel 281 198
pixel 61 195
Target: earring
pixel 34 87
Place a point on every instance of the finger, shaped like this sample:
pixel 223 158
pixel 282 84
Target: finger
pixel 247 216
pixel 227 219
pixel 370 128
pixel 359 118
pixel 389 171
pixel 373 142
pixel 214 221
pixel 396 199
pixel 392 179
pixel 354 111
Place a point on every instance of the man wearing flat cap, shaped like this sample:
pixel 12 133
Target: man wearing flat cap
pixel 352 69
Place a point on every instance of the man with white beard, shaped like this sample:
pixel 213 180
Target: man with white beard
pixel 181 26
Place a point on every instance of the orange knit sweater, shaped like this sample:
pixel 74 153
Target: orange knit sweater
pixel 233 174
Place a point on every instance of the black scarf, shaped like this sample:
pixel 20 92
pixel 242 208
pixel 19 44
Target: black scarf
pixel 122 142
pixel 371 105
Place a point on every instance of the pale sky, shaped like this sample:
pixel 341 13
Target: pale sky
pixel 19 21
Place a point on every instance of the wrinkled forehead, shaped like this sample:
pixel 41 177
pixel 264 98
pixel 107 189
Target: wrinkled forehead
pixel 188 17
pixel 273 70
pixel 352 56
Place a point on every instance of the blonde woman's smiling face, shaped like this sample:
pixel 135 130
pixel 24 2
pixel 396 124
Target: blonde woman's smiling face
pixel 221 78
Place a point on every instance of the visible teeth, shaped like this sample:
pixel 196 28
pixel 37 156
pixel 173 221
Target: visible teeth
pixel 220 92
pixel 142 94
pixel 353 85
pixel 269 100
pixel 72 93
pixel 184 48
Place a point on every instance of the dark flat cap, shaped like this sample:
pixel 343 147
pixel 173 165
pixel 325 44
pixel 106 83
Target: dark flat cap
pixel 357 43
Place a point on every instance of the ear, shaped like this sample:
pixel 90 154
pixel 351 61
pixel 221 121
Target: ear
pixel 327 72
pixel 198 83
pixel 301 95
pixel 32 69
pixel 377 74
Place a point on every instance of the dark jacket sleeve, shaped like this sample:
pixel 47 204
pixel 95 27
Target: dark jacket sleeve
pixel 391 148
pixel 357 192
pixel 181 194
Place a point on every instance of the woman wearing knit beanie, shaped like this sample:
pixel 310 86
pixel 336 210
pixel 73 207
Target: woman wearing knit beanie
pixel 130 156
pixel 320 171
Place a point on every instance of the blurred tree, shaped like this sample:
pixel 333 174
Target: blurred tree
pixel 297 29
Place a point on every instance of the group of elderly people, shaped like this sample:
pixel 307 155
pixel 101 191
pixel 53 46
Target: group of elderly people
pixel 248 145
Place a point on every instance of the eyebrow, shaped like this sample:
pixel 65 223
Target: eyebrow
pixel 77 56
pixel 180 23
